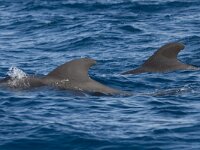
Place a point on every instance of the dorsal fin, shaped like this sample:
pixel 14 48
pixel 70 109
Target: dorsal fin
pixel 164 59
pixel 169 50
pixel 164 55
pixel 73 70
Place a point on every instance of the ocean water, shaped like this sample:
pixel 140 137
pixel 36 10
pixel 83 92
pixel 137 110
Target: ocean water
pixel 164 111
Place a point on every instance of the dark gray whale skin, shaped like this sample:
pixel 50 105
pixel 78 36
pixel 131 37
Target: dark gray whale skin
pixel 163 60
pixel 72 75
pixel 24 83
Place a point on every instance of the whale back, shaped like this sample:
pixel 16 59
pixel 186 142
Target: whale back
pixel 22 83
pixel 163 60
pixel 73 75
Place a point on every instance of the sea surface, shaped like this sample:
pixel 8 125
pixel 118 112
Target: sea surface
pixel 163 113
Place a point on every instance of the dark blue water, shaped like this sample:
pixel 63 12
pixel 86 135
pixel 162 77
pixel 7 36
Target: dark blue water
pixel 163 113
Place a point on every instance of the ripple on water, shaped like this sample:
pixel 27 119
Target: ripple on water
pixel 38 36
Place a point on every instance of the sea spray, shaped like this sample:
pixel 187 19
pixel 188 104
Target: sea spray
pixel 18 78
pixel 16 73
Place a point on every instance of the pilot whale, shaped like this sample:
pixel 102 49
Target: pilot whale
pixel 72 75
pixel 163 60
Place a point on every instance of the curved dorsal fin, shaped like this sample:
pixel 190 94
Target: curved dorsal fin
pixel 164 56
pixel 163 60
pixel 73 70
pixel 169 50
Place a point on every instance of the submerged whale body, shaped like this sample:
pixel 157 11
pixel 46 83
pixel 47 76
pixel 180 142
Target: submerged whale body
pixel 72 75
pixel 163 60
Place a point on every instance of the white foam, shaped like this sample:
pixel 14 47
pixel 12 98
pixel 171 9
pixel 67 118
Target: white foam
pixel 16 73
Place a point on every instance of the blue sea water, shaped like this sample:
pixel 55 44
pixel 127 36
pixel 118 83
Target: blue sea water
pixel 164 111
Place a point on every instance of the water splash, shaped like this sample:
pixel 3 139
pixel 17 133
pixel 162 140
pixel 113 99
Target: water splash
pixel 16 73
pixel 18 78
